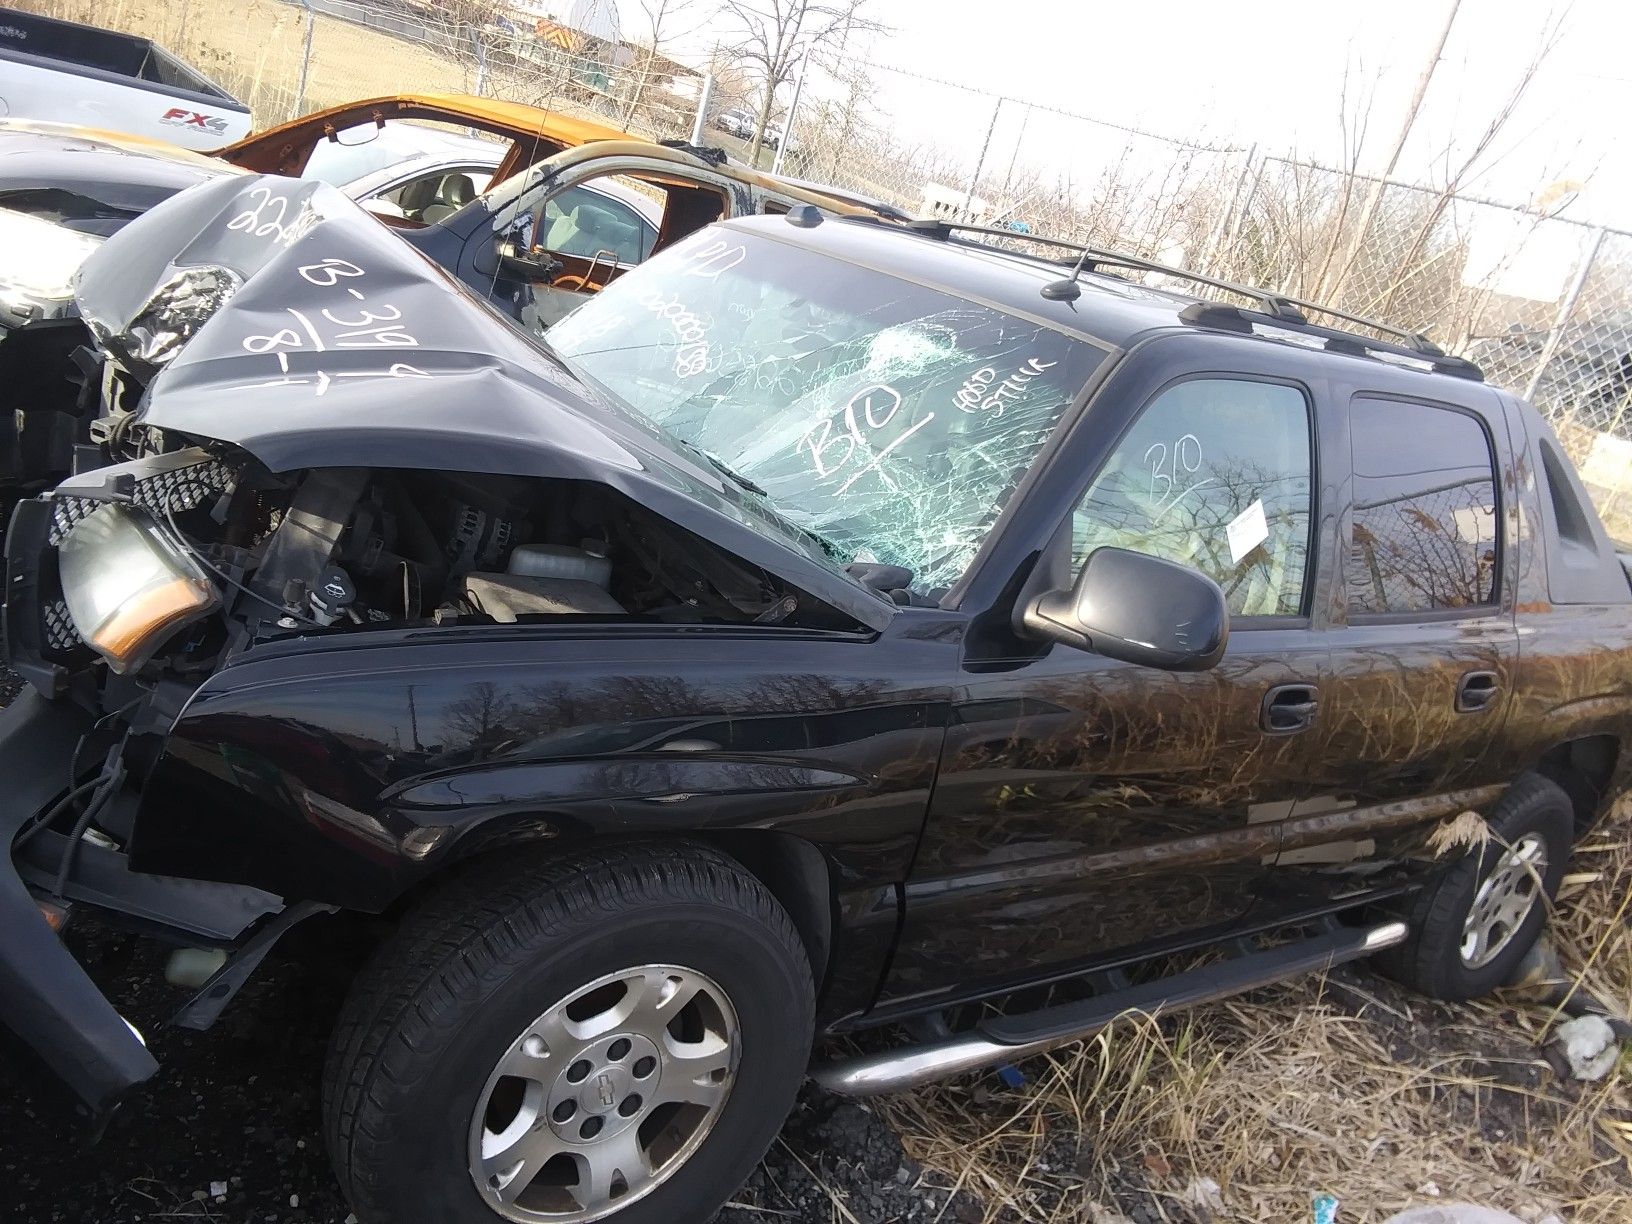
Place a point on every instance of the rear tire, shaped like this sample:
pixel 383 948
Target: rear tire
pixel 513 1033
pixel 1474 924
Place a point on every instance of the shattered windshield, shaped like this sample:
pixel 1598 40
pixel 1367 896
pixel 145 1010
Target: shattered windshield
pixel 890 420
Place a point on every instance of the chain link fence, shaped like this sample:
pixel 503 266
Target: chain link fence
pixel 1543 304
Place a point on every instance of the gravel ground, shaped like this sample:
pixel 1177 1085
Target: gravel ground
pixel 237 1107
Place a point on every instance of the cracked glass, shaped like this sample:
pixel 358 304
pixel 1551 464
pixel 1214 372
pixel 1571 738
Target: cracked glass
pixel 890 420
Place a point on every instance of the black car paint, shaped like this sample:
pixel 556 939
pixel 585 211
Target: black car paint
pixel 990 811
pixel 350 774
pixel 342 761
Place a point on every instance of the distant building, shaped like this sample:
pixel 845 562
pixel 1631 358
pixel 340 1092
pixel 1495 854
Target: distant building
pixel 954 204
pixel 591 29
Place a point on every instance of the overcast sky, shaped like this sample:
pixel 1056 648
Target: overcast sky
pixel 1269 72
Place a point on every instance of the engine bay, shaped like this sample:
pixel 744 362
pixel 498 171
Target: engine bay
pixel 446 547
pixel 337 550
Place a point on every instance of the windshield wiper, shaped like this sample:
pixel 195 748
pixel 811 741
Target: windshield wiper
pixel 731 473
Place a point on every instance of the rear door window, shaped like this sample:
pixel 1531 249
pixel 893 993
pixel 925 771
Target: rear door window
pixel 1424 534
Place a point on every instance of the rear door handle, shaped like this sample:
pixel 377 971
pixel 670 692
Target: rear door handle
pixel 1289 708
pixel 1477 691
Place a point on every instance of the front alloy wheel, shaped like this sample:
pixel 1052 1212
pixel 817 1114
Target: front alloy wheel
pixel 1472 924
pixel 604 1096
pixel 556 1037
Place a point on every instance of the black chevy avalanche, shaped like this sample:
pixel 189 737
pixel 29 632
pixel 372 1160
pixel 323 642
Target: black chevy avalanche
pixel 831 626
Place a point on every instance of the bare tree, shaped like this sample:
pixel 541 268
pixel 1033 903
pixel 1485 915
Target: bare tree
pixel 660 19
pixel 1374 197
pixel 774 41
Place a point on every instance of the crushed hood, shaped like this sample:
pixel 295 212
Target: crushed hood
pixel 278 316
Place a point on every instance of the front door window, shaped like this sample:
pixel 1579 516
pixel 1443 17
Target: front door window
pixel 1214 474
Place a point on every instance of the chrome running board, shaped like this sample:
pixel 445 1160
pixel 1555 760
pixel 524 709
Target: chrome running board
pixel 1003 1039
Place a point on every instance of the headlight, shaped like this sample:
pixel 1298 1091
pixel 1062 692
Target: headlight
pixel 126 587
pixel 40 259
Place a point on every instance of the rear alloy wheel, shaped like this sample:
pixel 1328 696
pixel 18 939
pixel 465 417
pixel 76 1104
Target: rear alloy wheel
pixel 555 1038
pixel 1472 926
pixel 1503 900
pixel 604 1096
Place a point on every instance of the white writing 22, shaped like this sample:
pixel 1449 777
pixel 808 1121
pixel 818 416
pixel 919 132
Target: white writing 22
pixel 268 218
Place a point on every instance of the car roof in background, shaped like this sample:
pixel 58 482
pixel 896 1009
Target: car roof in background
pixel 72 135
pixel 515 120
pixel 398 150
pixel 871 203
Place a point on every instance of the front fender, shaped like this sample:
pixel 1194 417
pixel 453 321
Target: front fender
pixel 347 775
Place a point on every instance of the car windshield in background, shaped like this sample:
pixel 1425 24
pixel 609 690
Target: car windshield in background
pixel 890 420
pixel 370 147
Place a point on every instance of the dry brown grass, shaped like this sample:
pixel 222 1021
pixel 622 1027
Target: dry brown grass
pixel 1349 1087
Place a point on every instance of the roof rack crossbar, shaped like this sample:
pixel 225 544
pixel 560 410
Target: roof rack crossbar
pixel 1278 309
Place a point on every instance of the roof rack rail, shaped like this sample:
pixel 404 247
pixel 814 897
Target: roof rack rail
pixel 1273 309
pixel 1225 317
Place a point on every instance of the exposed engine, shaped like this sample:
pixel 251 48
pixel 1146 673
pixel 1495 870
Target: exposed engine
pixel 456 547
pixel 352 549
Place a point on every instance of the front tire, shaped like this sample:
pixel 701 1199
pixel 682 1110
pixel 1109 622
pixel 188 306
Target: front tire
pixel 1473 925
pixel 552 1039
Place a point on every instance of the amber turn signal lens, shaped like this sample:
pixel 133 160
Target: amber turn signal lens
pixel 56 916
pixel 127 586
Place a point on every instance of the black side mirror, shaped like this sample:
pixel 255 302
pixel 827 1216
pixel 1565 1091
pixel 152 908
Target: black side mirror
pixel 528 265
pixel 1137 608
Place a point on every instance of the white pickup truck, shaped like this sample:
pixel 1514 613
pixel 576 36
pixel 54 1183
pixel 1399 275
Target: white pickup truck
pixel 64 72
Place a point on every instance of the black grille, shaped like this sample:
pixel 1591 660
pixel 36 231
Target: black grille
pixel 60 634
pixel 65 513
pixel 165 492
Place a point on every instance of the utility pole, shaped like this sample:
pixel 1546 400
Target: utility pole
pixel 1374 198
pixel 705 96
pixel 974 179
pixel 787 123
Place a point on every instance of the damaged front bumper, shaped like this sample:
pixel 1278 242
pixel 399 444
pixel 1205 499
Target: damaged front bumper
pixel 46 998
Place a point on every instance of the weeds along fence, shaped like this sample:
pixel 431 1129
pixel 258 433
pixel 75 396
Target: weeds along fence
pixel 1542 303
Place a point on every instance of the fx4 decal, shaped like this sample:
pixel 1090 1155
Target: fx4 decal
pixel 179 116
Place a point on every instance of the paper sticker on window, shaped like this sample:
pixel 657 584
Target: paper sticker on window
pixel 1247 530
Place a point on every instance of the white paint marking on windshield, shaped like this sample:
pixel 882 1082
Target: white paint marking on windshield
pixel 715 257
pixel 874 463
